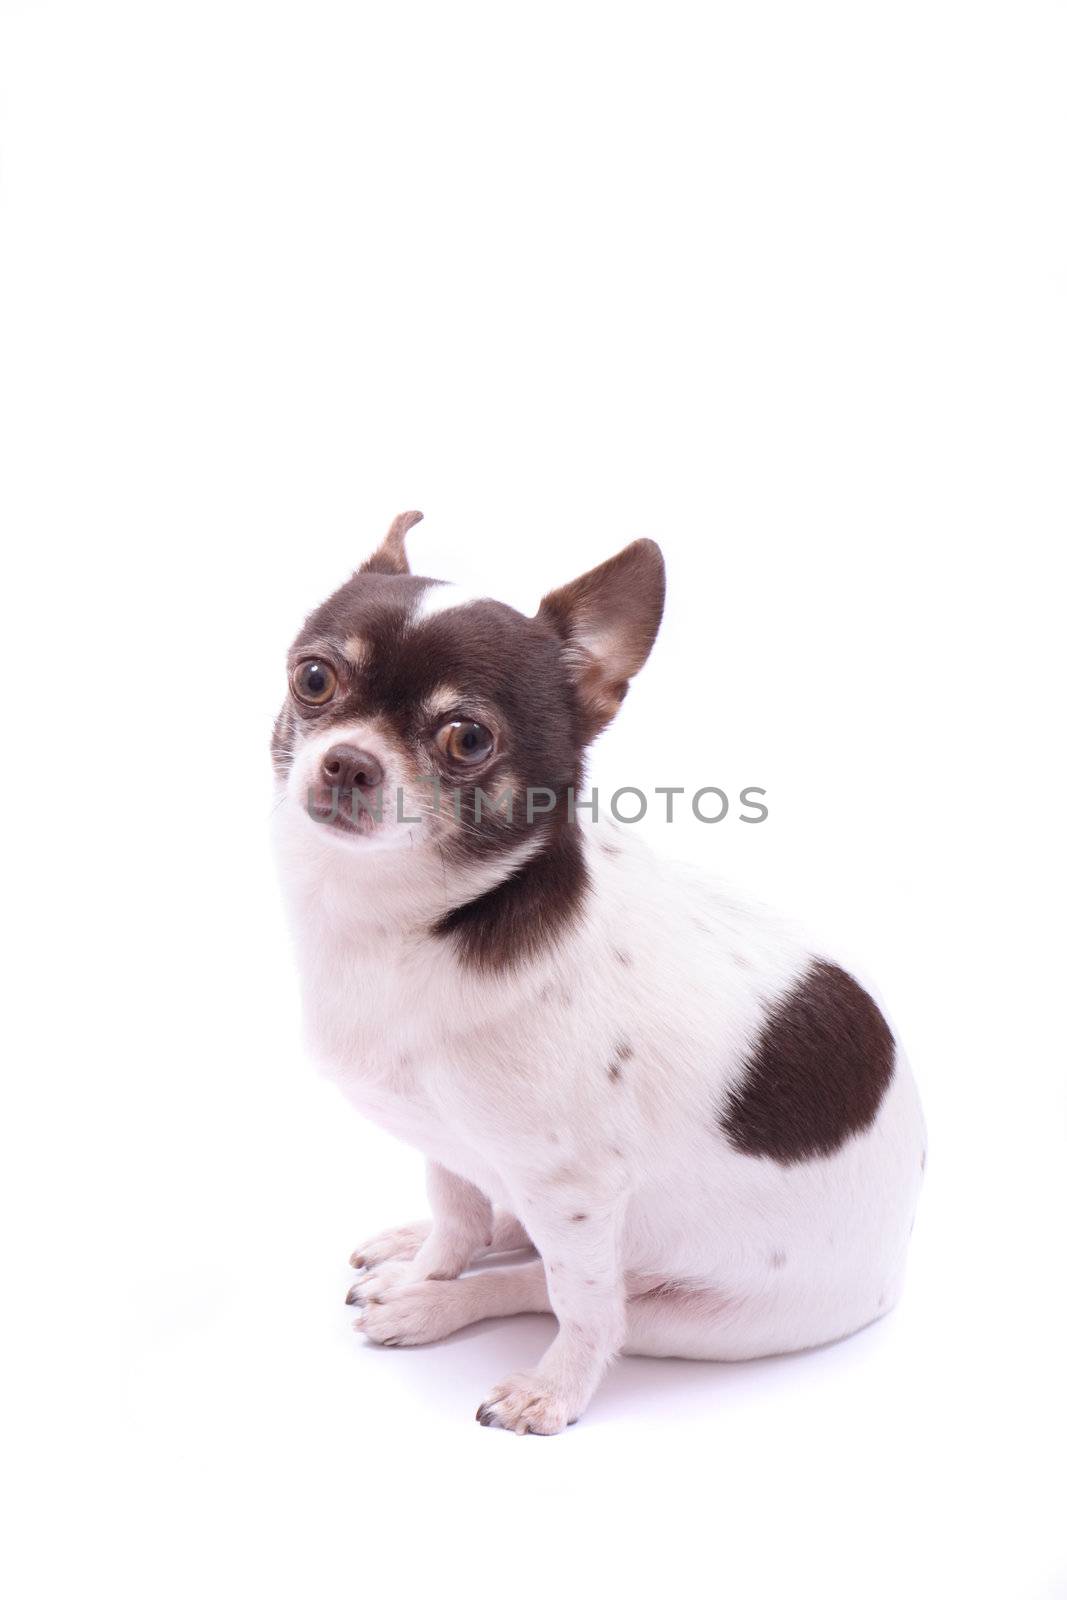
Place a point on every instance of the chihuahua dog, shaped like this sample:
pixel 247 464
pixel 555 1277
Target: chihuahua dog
pixel 700 1129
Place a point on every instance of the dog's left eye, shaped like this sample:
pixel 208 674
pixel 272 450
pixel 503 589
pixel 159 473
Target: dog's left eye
pixel 465 743
pixel 314 682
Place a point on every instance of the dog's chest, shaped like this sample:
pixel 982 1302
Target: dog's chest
pixel 408 1041
pixel 365 1007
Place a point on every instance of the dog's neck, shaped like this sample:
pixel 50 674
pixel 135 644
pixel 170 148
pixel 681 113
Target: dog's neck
pixel 492 914
pixel 528 909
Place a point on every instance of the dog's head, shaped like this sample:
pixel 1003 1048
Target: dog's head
pixel 420 717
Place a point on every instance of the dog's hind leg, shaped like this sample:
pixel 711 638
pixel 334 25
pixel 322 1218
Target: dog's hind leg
pixel 699 1322
pixel 508 1234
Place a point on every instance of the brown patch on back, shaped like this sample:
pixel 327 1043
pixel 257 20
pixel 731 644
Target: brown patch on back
pixel 817 1075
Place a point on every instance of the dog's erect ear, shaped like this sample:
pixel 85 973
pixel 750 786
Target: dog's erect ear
pixel 390 555
pixel 608 621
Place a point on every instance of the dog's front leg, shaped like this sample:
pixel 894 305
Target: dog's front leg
pixel 462 1225
pixel 577 1237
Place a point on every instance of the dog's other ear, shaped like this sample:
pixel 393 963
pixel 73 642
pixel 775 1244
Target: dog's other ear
pixel 390 555
pixel 608 621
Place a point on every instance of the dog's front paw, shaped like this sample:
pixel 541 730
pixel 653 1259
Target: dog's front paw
pixel 527 1403
pixel 410 1313
pixel 396 1244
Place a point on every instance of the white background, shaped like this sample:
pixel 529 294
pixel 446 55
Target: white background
pixel 780 285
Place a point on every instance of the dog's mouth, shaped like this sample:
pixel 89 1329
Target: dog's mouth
pixel 355 812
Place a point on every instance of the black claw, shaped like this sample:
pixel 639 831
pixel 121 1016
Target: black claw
pixel 352 1297
pixel 484 1415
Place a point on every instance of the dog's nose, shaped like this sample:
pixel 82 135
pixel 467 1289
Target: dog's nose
pixel 345 767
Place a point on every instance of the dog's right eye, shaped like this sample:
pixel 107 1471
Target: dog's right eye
pixel 314 682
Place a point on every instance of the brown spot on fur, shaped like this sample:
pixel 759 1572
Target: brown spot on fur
pixel 678 1292
pixel 580 1216
pixel 658 1291
pixel 778 1259
pixel 817 1075
pixel 570 1172
pixel 354 651
pixel 624 958
pixel 623 1053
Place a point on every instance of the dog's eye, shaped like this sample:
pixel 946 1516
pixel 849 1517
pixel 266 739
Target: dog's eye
pixel 314 682
pixel 465 743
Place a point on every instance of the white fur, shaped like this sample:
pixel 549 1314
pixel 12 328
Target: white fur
pixel 440 597
pixel 503 1082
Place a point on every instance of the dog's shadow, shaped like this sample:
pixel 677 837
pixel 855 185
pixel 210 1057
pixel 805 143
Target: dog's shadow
pixel 468 1363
